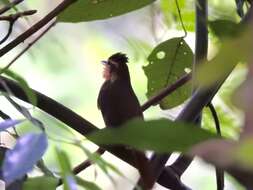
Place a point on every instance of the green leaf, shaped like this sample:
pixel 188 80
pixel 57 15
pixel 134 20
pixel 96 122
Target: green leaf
pixel 244 153
pixel 103 164
pixel 167 63
pixel 69 182
pixel 88 10
pixel 161 136
pixel 24 85
pixel 224 28
pixel 232 51
pixel 41 183
pixel 86 184
pixel 63 161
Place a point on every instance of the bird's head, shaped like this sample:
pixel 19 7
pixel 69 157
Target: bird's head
pixel 116 68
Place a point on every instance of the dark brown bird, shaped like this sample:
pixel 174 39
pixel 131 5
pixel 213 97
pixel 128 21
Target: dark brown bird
pixel 117 100
pixel 119 104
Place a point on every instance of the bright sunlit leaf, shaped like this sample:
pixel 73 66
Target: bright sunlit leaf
pixel 157 135
pixel 232 51
pixel 88 10
pixel 167 63
pixel 26 153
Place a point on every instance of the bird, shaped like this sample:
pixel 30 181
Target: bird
pixel 117 100
pixel 118 104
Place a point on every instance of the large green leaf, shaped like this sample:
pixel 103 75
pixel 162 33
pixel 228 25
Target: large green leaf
pixel 167 63
pixel 41 183
pixel 157 135
pixel 88 10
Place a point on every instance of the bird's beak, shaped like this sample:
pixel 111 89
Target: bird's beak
pixel 104 62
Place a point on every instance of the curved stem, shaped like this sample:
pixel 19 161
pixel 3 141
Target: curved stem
pixel 180 17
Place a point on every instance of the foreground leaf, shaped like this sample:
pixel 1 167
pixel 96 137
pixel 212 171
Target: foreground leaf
pixel 158 135
pixel 86 184
pixel 41 183
pixel 25 154
pixel 224 28
pixel 232 51
pixel 167 63
pixel 69 182
pixel 88 10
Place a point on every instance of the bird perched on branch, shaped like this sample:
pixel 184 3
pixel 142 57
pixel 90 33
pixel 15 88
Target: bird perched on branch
pixel 117 100
pixel 119 104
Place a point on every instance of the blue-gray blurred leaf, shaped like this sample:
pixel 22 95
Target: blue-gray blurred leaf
pixel 84 10
pixel 41 183
pixel 158 135
pixel 167 63
pixel 9 123
pixel 72 185
pixel 25 154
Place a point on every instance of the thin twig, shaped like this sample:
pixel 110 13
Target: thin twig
pixel 15 16
pixel 33 29
pixel 12 19
pixel 9 6
pixel 215 118
pixel 219 171
pixel 167 91
pixel 28 47
pixel 180 17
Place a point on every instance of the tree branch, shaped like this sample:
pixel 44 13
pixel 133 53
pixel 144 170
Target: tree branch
pixel 12 19
pixel 165 92
pixel 62 6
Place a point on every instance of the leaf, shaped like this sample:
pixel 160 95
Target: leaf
pixel 224 28
pixel 86 184
pixel 244 153
pixel 218 152
pixel 232 51
pixel 167 63
pixel 28 91
pixel 41 183
pixel 162 136
pixel 72 185
pixel 88 10
pixel 9 123
pixel 69 182
pixel 25 154
pixel 103 164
